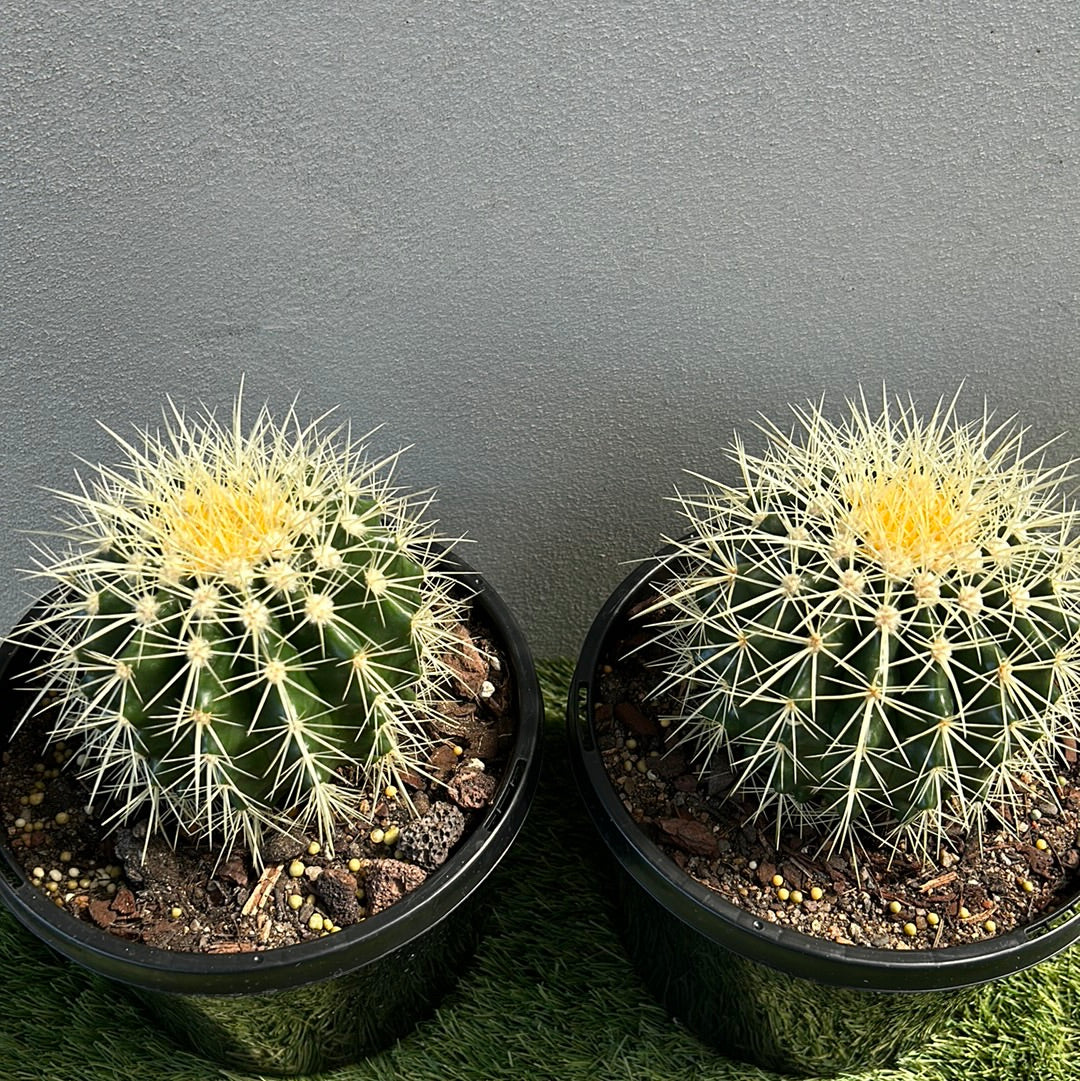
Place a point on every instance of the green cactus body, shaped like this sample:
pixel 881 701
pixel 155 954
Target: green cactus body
pixel 878 629
pixel 251 632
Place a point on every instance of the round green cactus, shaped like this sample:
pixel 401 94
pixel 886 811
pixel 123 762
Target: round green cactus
pixel 249 631
pixel 876 627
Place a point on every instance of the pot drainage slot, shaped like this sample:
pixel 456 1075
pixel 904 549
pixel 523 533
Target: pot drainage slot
pixel 11 873
pixel 498 809
pixel 1055 920
pixel 580 709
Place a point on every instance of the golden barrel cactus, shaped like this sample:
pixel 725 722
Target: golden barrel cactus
pixel 875 627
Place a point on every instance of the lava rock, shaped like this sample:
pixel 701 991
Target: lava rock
pixel 635 720
pixel 471 789
pixel 387 881
pixel 281 848
pixel 467 664
pixel 336 889
pixel 429 839
pixel 234 871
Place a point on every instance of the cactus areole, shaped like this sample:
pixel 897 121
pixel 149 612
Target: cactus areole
pixel 875 626
pixel 252 628
pixel 770 952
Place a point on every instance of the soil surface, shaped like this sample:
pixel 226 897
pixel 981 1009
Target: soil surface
pixel 186 898
pixel 1023 865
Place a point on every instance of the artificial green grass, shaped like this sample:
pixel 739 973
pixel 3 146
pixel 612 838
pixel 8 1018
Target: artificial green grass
pixel 549 994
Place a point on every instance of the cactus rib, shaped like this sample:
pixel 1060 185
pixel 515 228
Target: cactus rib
pixel 876 627
pixel 250 628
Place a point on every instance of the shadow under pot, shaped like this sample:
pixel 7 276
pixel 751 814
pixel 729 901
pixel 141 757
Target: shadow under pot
pixel 757 990
pixel 304 1008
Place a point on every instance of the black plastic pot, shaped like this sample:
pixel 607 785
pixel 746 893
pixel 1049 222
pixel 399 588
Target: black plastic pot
pixel 308 1007
pixel 753 989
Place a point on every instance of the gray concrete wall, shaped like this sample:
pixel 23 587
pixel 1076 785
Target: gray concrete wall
pixel 564 248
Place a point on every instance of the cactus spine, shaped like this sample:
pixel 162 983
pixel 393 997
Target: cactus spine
pixel 250 628
pixel 875 628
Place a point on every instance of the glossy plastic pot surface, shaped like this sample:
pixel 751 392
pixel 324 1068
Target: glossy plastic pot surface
pixel 308 1007
pixel 783 999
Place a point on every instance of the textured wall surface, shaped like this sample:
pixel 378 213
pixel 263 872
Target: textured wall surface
pixel 563 248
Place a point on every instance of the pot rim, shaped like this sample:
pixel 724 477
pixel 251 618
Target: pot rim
pixel 286 967
pixel 732 927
